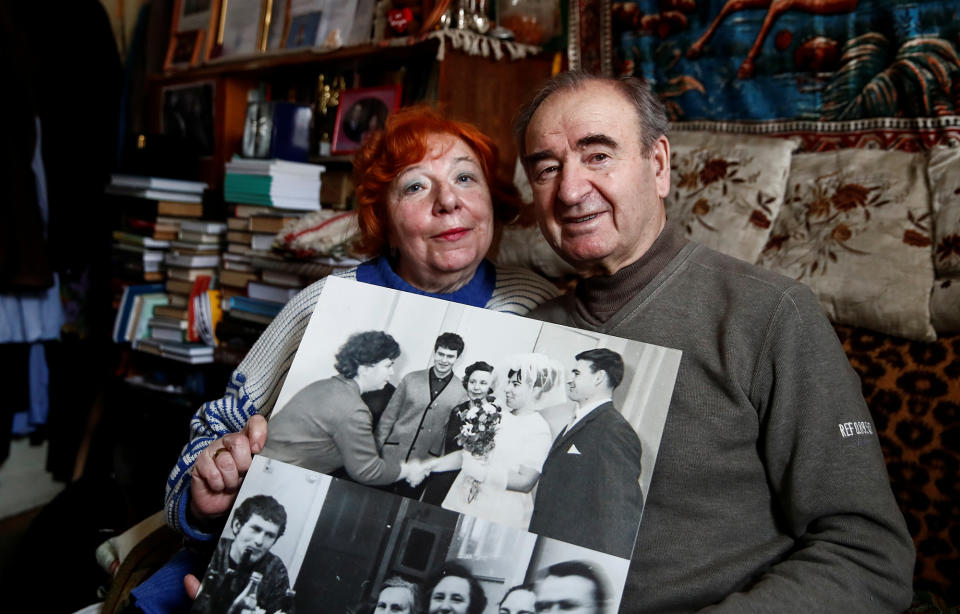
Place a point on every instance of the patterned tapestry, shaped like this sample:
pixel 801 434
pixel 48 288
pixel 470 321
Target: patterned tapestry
pixel 793 59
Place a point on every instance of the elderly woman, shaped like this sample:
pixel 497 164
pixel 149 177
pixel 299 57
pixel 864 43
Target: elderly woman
pixel 327 427
pixel 497 486
pixel 453 589
pixel 429 207
pixel 398 596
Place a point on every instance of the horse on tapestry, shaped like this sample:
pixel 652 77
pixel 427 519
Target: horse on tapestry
pixel 775 8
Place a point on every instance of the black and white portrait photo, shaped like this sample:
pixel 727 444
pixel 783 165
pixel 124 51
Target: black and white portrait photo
pixel 349 548
pixel 531 425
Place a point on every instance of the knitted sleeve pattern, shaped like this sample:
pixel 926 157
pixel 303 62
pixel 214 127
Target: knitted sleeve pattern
pixel 252 389
pixel 519 291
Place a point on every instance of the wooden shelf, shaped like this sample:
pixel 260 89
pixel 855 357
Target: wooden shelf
pixel 269 63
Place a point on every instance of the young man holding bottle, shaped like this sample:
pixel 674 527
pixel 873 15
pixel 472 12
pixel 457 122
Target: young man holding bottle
pixel 243 574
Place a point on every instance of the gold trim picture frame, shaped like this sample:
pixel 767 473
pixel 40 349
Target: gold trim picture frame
pixel 191 40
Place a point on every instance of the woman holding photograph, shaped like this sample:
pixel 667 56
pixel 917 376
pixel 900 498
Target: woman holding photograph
pixel 327 427
pixel 429 207
pixel 495 485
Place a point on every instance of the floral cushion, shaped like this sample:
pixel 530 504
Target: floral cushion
pixel 856 227
pixel 944 174
pixel 945 306
pixel 726 190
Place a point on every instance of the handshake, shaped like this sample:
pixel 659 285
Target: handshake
pixel 415 471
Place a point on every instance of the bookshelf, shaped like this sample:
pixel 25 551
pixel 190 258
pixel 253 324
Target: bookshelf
pixel 486 90
pixel 479 89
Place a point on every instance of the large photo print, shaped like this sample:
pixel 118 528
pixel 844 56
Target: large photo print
pixel 301 541
pixel 531 425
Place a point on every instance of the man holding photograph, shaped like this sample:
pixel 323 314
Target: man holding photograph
pixel 757 503
pixel 414 422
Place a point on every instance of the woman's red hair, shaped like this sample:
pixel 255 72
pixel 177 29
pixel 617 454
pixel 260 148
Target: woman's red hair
pixel 403 142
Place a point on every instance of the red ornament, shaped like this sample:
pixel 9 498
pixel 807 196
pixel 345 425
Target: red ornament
pixel 399 19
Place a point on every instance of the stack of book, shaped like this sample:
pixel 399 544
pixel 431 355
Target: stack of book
pixel 192 260
pixel 151 209
pixel 134 310
pixel 273 183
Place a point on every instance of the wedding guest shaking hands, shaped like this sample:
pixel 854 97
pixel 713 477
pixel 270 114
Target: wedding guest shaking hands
pixel 429 206
pixel 327 427
pixel 413 424
pixel 589 491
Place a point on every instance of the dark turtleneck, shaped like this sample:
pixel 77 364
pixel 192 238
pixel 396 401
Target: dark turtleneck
pixel 598 298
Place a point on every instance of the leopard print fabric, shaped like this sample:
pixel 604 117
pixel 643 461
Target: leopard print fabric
pixel 913 391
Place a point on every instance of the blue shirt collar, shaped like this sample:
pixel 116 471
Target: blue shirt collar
pixel 477 292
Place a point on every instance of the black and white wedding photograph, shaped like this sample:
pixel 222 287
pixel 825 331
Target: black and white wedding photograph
pixel 298 540
pixel 531 425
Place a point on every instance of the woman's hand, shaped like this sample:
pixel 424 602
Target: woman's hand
pixel 192 585
pixel 219 470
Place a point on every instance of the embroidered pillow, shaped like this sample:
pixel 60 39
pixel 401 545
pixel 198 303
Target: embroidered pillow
pixel 945 306
pixel 855 227
pixel 726 190
pixel 943 171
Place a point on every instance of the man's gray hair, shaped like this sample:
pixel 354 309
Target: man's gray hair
pixel 650 111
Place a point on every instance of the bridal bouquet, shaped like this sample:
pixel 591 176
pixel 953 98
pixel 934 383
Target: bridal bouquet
pixel 480 422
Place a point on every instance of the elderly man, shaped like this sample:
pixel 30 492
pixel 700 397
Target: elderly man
pixel 596 458
pixel 758 502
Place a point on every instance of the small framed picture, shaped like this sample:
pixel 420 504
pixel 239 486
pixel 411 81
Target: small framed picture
pixel 303 30
pixel 191 29
pixel 362 111
pixel 243 28
pixel 188 115
pixel 184 49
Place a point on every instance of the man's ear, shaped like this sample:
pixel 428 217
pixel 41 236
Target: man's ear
pixel 661 165
pixel 600 379
pixel 235 526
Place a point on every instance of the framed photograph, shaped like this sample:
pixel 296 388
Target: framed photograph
pixel 184 50
pixel 277 13
pixel 243 28
pixel 303 30
pixel 188 115
pixel 361 111
pixel 304 18
pixel 190 28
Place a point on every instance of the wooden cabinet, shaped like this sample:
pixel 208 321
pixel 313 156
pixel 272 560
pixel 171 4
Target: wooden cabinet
pixel 482 90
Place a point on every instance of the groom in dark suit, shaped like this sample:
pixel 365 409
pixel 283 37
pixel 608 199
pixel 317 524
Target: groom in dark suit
pixel 589 491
